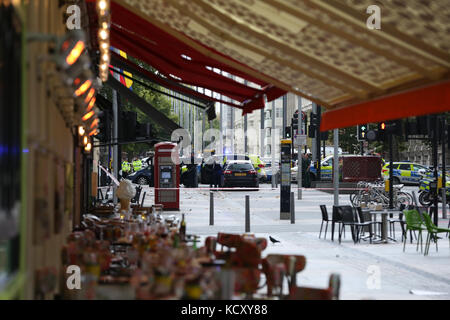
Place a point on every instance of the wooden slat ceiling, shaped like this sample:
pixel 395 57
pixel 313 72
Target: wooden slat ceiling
pixel 319 49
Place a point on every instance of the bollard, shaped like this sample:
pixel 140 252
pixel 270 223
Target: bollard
pixel 292 208
pixel 300 194
pixel 247 214
pixel 211 208
pixel 444 203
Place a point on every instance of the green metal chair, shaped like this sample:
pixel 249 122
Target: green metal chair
pixel 414 223
pixel 433 231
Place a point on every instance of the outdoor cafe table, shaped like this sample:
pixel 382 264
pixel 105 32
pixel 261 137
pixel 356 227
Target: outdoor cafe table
pixel 384 222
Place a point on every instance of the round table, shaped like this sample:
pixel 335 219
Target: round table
pixel 384 223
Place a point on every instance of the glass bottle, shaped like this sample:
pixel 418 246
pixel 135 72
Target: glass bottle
pixel 183 229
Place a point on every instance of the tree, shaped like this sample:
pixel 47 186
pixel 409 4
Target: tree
pixel 348 140
pixel 156 99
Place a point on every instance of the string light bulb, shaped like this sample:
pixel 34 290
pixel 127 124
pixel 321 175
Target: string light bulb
pixel 88 147
pixel 81 131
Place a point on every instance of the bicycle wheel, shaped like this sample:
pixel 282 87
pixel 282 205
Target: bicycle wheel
pixel 403 198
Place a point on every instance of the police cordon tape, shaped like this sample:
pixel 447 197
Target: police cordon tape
pixel 260 190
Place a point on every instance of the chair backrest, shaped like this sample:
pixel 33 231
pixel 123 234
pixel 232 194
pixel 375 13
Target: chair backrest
pixel 300 261
pixel 304 293
pixel 412 218
pixel 360 215
pixel 348 214
pixel 323 208
pixel 335 285
pixel 428 222
pixel 337 213
pixel 229 240
pixel 330 293
pixel 211 244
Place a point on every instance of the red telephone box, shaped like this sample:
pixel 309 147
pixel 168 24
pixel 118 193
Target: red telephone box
pixel 167 176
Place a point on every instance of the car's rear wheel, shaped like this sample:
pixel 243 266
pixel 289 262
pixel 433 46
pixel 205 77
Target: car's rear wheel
pixel 396 180
pixel 142 181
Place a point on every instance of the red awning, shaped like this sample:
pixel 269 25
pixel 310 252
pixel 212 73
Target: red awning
pixel 428 100
pixel 164 82
pixel 181 63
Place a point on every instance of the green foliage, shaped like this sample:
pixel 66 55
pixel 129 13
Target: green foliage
pixel 156 99
pixel 348 140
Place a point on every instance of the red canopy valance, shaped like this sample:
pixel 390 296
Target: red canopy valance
pixel 183 64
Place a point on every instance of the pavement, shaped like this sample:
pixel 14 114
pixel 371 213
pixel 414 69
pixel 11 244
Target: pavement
pixel 368 271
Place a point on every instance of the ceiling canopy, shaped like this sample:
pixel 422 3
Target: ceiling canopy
pixel 322 50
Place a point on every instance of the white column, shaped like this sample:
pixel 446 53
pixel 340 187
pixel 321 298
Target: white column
pixel 336 167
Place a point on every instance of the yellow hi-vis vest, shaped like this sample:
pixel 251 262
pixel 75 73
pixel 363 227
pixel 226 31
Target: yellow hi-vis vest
pixel 137 165
pixel 126 166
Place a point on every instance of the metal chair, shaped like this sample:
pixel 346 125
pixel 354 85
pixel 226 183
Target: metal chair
pixel 276 268
pixel 137 196
pixel 363 223
pixel 392 221
pixel 433 231
pixel 323 209
pixel 348 219
pixel 414 223
pixel 337 218
pixel 330 293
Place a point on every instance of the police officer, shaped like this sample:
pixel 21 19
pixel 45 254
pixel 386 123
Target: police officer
pixel 306 164
pixel 126 168
pixel 137 165
pixel 216 174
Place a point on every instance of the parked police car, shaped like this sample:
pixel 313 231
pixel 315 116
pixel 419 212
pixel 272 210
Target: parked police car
pixel 405 172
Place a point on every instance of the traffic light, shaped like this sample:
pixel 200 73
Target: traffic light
pixel 381 133
pixel 295 121
pixel 314 125
pixel 288 133
pixel 376 135
pixel 315 121
pixel 143 131
pixel 305 123
pixel 104 127
pixel 211 112
pixel 129 126
pixel 362 132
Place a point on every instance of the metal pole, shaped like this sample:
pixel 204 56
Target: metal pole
pixel 261 134
pixel 444 182
pixel 115 137
pixel 203 130
pixel 284 116
pixel 292 208
pixel 221 127
pixel 299 150
pixel 247 213
pixel 211 208
pixel 318 138
pixel 313 143
pixel 391 172
pixel 272 149
pixel 245 134
pixel 245 129
pixel 233 151
pixel 336 167
pixel 435 164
